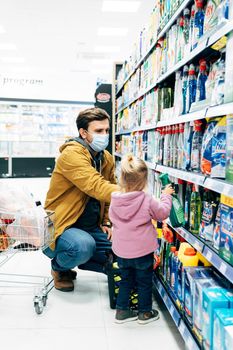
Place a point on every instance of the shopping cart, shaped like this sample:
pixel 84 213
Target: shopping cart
pixel 24 232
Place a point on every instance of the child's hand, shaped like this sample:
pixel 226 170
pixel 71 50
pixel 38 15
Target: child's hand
pixel 168 189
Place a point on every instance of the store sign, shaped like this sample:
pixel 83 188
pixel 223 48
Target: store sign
pixel 9 81
pixel 103 97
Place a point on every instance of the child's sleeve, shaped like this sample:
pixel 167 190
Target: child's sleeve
pixel 160 209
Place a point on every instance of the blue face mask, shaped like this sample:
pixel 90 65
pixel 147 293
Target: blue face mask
pixel 100 142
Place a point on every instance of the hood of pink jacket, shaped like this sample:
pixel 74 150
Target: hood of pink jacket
pixel 126 205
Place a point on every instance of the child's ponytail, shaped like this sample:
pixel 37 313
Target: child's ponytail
pixel 133 174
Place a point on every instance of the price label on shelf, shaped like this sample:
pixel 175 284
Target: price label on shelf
pixel 190 343
pixel 223 268
pixel 182 328
pixel 198 246
pixel 228 190
pixel 209 255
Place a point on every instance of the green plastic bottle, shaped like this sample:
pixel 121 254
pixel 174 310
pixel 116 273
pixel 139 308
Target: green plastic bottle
pixel 195 211
pixel 177 211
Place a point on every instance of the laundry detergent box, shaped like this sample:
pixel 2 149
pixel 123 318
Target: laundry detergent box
pixel 191 274
pixel 218 166
pixel 226 229
pixel 213 298
pixel 229 149
pixel 199 286
pixel 222 319
pixel 229 337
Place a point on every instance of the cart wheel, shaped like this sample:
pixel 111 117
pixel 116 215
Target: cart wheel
pixel 38 308
pixel 44 300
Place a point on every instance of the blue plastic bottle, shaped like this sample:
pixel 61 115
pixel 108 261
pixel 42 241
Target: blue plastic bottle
pixel 201 81
pixel 198 22
pixel 170 263
pixel 174 272
pixel 185 87
pixel 192 87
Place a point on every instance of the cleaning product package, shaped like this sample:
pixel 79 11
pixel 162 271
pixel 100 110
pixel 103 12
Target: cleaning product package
pixel 210 205
pixel 218 168
pixel 229 149
pixel 226 229
pixel 177 212
pixel 213 298
pixel 206 150
pixel 191 274
pixel 216 232
pixel 222 319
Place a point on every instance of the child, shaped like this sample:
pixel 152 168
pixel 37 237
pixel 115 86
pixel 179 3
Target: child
pixel 134 238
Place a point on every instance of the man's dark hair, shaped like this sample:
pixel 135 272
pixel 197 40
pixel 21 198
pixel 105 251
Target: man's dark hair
pixel 89 115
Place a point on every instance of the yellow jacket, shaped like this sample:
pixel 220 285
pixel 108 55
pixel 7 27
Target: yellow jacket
pixel 74 180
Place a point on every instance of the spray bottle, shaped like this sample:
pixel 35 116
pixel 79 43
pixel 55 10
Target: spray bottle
pixel 177 212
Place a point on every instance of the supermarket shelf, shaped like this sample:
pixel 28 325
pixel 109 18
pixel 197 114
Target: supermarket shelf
pixel 207 250
pixel 167 300
pixel 184 118
pixel 220 110
pixel 202 45
pixel 137 66
pixel 221 30
pixel 161 33
pixel 182 327
pixel 183 175
pixel 139 128
pixel 207 112
pixel 187 336
pixel 220 186
pixel 190 238
pixel 217 185
pixel 183 5
pixel 218 263
pixel 150 165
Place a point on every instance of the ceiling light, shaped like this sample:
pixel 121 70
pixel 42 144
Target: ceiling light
pixel 12 59
pixel 103 48
pixel 120 6
pixel 8 47
pixel 112 31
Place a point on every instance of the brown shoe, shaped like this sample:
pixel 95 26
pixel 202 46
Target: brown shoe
pixel 62 281
pixel 68 275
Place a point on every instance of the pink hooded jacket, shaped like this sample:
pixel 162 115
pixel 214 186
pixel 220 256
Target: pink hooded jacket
pixel 133 232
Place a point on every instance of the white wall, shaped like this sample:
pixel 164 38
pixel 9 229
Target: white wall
pixel 72 87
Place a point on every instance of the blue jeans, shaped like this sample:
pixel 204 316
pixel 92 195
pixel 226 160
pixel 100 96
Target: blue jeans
pixel 76 247
pixel 137 272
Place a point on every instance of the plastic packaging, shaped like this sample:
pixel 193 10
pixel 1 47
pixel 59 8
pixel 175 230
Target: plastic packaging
pixel 177 212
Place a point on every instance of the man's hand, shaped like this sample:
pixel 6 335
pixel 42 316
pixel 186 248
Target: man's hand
pixel 107 230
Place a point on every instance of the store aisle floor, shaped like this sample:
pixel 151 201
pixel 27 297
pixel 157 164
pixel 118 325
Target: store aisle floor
pixel 81 319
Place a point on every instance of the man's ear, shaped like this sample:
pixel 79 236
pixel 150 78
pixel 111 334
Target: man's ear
pixel 83 133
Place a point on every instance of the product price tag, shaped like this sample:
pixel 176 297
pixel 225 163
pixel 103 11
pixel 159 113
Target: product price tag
pixel 182 328
pixel 223 268
pixel 198 246
pixel 165 298
pixel 190 343
pixel 209 255
pixel 228 190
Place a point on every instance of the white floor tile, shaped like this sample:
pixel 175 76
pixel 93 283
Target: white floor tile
pixel 42 339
